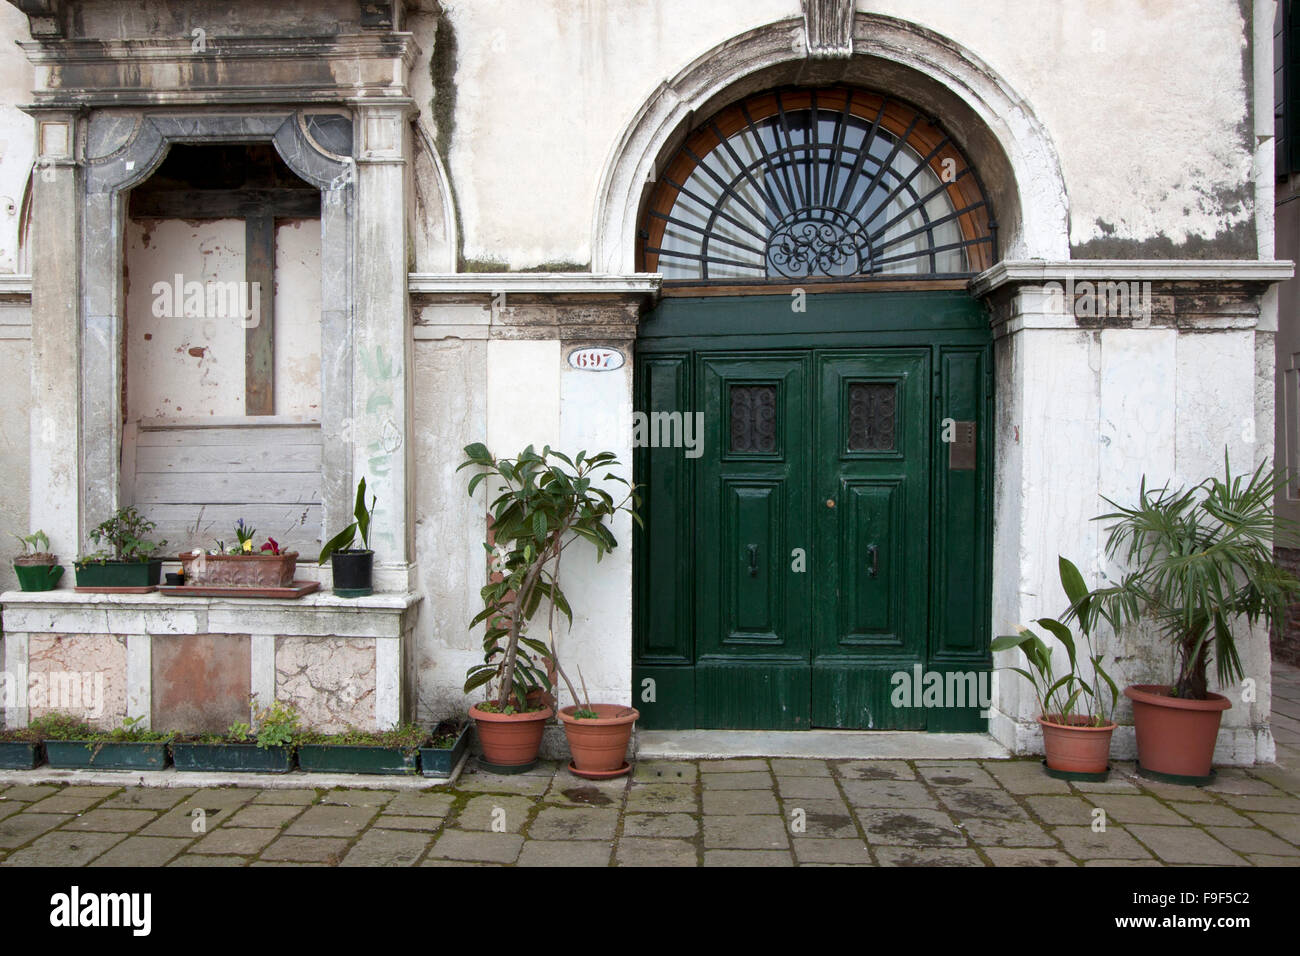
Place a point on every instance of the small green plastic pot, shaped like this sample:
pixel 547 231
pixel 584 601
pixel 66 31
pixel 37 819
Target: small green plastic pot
pixel 38 577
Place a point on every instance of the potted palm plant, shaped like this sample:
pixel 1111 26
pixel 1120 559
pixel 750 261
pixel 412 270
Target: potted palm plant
pixel 128 558
pixel 353 568
pixel 1074 714
pixel 1200 563
pixel 37 569
pixel 544 503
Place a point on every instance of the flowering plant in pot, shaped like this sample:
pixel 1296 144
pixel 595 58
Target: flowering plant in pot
pixel 1200 563
pixel 545 502
pixel 1075 714
pixel 37 569
pixel 242 565
pixel 353 567
pixel 129 559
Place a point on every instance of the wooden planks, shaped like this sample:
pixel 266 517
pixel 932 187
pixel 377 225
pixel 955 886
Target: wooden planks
pixel 259 341
pixel 195 482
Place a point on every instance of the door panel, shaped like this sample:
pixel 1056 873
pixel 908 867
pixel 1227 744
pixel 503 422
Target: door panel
pixel 868 605
pixel 752 629
pixel 870 583
pixel 757 605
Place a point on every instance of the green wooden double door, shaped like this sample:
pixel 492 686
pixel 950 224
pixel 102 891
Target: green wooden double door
pixel 815 536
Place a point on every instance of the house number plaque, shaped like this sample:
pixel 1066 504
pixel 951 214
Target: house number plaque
pixel 596 359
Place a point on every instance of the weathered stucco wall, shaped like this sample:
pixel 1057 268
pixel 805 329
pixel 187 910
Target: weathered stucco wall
pixel 17 135
pixel 1146 104
pixel 179 364
pixel 15 372
pixel 1082 415
pixel 183 365
pixel 509 393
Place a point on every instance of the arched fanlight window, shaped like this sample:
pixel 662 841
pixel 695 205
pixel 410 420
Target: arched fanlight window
pixel 817 183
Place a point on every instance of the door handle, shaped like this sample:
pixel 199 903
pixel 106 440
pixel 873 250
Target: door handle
pixel 753 560
pixel 874 552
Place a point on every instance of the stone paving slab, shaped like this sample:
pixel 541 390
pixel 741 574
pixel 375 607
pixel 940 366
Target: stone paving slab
pixel 779 811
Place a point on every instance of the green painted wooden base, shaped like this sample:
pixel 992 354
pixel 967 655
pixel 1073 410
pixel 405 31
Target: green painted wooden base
pixel 1072 775
pixel 1178 779
pixel 499 768
pixel 353 592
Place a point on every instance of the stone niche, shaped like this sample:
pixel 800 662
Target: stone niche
pixel 192 665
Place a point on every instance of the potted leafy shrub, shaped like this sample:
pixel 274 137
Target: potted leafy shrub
pixel 72 744
pixel 20 749
pixel 540 509
pixel 1200 562
pixel 36 567
pixel 353 567
pixel 361 751
pixel 242 565
pixel 128 560
pixel 268 749
pixel 1075 715
pixel 444 748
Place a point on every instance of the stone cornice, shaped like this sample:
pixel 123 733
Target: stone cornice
pixel 232 70
pixel 16 287
pixel 642 284
pixel 1039 271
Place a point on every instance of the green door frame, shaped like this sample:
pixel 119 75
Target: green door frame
pixel 955 328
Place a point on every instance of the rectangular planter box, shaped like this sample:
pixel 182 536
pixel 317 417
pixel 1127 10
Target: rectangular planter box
pixel 87 755
pixel 119 574
pixel 240 570
pixel 349 758
pixel 440 761
pixel 234 758
pixel 20 755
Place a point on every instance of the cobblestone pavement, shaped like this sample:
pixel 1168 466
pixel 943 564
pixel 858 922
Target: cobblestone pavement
pixel 768 812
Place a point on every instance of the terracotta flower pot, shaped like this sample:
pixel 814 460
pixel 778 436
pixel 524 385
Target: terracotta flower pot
pixel 1175 735
pixel 241 570
pixel 1073 745
pixel 600 743
pixel 510 740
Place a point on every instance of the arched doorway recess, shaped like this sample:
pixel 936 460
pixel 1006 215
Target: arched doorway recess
pixel 817 393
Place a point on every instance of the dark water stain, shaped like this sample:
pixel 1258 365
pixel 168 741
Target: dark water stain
pixel 590 796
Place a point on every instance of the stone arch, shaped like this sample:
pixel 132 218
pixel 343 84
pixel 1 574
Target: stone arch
pixel 122 150
pixel 994 126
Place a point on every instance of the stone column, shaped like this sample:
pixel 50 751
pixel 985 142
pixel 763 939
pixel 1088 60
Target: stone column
pixel 382 346
pixel 55 443
pixel 1046 454
pixel 1089 402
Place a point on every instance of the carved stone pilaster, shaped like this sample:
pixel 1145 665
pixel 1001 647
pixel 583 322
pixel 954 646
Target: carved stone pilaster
pixel 828 28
